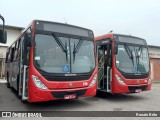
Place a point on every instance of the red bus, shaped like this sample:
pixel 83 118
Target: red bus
pixel 123 64
pixel 51 61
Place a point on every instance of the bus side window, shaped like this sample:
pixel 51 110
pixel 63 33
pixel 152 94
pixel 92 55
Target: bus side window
pixel 7 53
pixel 27 37
pixel 22 48
pixel 15 51
pixel 12 52
pixel 25 51
pixel 18 49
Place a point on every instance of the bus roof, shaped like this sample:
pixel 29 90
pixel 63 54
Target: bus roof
pixel 105 36
pixel 128 38
pixel 36 20
pixel 111 35
pixel 65 24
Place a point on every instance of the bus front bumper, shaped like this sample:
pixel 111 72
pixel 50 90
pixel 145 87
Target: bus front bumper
pixel 131 88
pixel 38 95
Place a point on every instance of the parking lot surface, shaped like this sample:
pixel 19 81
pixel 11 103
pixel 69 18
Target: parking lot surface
pixel 144 101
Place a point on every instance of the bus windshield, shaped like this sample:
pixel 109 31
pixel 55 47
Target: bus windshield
pixel 132 58
pixel 61 54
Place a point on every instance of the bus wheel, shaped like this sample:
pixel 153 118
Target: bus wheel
pixel 24 101
pixel 8 84
pixel 19 96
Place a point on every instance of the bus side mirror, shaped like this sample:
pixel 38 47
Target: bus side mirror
pixel 3 36
pixel 115 47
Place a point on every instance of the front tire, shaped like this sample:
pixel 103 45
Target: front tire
pixel 8 84
pixel 24 101
pixel 19 96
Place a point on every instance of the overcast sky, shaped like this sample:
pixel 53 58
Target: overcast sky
pixel 139 18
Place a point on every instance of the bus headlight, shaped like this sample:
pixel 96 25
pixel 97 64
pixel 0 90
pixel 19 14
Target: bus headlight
pixel 120 80
pixel 93 81
pixel 38 83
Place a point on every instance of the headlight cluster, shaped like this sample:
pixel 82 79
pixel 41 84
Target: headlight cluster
pixel 149 81
pixel 38 83
pixel 93 81
pixel 120 80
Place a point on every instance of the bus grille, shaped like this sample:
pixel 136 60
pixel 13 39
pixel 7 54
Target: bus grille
pixel 133 76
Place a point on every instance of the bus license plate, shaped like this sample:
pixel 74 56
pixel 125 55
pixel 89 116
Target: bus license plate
pixel 138 90
pixel 73 96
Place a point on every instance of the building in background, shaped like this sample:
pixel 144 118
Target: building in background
pixel 12 33
pixel 154 54
pixel 2 59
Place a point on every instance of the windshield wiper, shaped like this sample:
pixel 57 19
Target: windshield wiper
pixel 76 48
pixel 129 52
pixel 62 46
pixel 66 51
pixel 138 54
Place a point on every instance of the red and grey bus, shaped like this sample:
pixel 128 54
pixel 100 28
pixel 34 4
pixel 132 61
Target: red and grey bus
pixel 51 61
pixel 123 64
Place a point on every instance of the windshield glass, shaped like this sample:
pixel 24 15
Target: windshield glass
pixel 132 59
pixel 55 54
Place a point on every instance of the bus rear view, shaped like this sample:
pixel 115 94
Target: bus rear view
pixel 123 64
pixel 60 63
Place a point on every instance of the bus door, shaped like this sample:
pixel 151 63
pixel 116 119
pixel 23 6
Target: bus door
pixel 104 65
pixel 24 65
